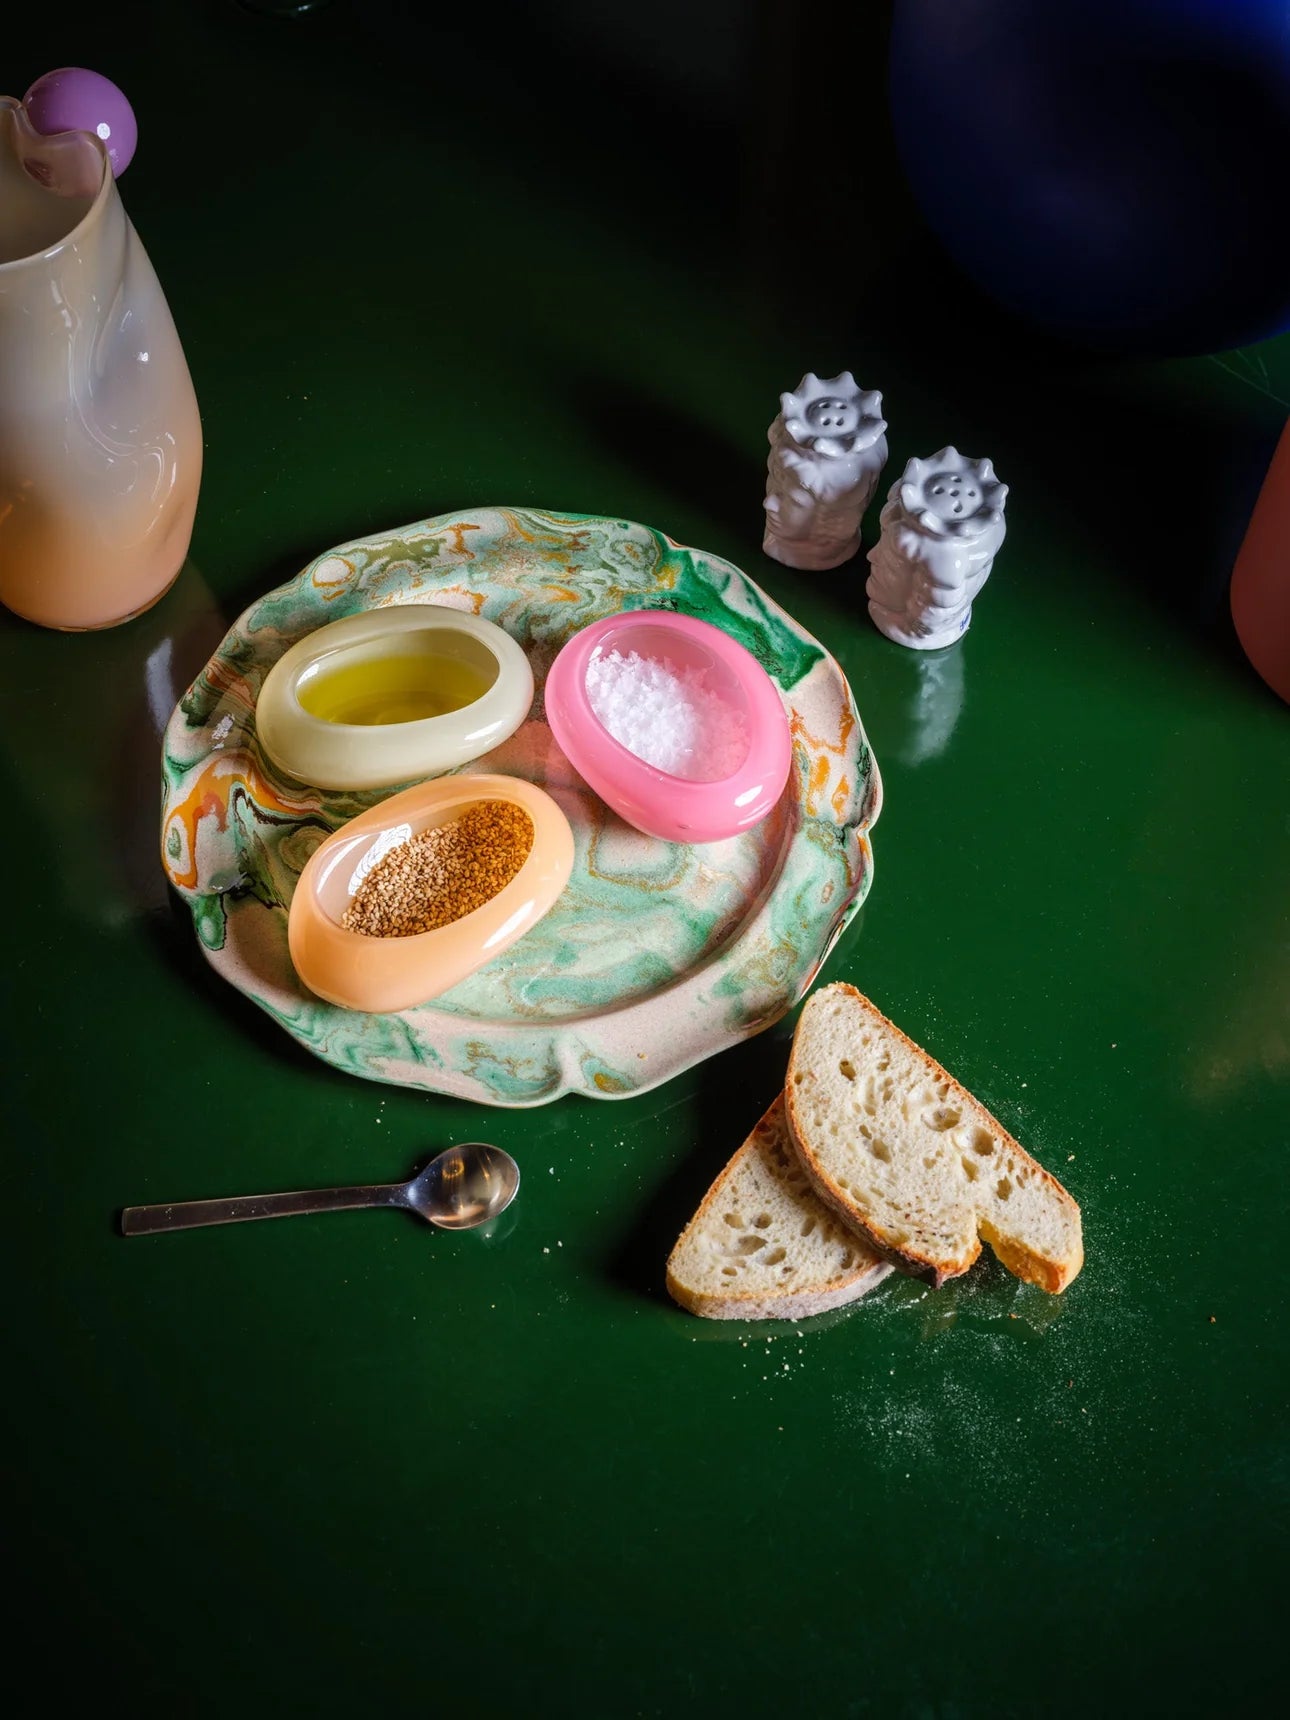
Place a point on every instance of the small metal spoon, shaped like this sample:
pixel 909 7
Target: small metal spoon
pixel 461 1188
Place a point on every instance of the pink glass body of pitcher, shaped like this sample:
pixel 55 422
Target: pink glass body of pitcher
pixel 100 439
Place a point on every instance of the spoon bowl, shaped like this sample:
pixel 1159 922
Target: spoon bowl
pixel 464 1187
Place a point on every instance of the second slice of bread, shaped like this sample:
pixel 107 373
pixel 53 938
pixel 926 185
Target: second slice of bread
pixel 762 1246
pixel 907 1156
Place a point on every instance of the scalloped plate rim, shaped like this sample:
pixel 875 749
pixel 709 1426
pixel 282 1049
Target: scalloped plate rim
pixel 470 1085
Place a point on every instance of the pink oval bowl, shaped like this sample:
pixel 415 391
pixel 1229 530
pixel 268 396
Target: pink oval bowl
pixel 673 808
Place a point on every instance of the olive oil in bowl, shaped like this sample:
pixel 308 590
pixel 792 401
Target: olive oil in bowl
pixel 402 687
pixel 390 695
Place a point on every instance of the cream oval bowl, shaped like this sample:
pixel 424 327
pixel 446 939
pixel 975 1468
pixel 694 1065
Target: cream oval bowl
pixel 391 694
pixel 676 808
pixel 380 974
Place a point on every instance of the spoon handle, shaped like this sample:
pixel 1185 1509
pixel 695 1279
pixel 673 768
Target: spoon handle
pixel 186 1215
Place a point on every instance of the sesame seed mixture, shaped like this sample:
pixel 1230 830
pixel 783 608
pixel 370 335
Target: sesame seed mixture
pixel 443 873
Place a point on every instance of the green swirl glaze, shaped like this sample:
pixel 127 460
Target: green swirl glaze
pixel 657 955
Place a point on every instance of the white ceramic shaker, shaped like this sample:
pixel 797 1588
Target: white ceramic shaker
pixel 827 452
pixel 941 529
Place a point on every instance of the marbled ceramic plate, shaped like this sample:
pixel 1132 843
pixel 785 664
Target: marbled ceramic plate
pixel 657 955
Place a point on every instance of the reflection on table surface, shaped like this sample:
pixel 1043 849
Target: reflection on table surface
pixel 569 260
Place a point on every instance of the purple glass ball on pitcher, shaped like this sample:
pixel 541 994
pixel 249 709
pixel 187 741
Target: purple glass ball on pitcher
pixel 76 99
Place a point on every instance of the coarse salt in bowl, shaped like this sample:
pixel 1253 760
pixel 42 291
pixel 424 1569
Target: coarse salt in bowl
pixel 672 722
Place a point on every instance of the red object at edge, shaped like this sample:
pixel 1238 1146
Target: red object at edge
pixel 1261 577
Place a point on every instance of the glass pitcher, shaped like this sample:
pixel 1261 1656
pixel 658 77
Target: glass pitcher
pixel 100 440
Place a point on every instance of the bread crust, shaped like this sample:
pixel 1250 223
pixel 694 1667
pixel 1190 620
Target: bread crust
pixel 799 1305
pixel 1051 1275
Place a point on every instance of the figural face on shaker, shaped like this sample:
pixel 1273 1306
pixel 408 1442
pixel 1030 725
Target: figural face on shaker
pixel 391 694
pixel 673 723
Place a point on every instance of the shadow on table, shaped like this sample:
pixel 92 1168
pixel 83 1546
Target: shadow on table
pixel 1129 480
pixel 718 1104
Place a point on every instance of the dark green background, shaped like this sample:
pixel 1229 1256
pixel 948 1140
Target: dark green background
pixel 348 1464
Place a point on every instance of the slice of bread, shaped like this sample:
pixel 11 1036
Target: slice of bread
pixel 762 1247
pixel 895 1145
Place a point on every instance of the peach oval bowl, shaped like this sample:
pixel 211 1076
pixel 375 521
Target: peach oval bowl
pixel 381 974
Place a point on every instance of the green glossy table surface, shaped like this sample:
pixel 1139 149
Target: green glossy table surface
pixel 350 1464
